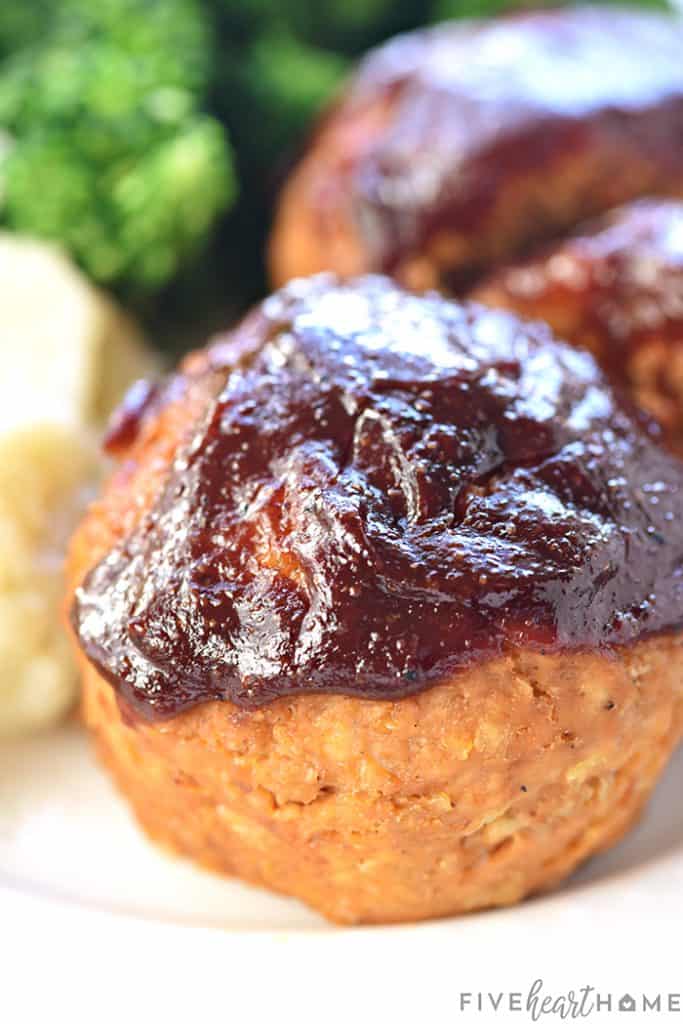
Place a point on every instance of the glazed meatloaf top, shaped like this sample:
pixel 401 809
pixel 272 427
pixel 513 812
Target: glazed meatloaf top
pixel 518 125
pixel 375 490
pixel 616 288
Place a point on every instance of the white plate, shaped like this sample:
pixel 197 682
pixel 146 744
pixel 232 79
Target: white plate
pixel 76 873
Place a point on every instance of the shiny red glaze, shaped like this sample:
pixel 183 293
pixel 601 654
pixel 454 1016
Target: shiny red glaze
pixel 617 288
pixel 125 423
pixel 475 109
pixel 388 488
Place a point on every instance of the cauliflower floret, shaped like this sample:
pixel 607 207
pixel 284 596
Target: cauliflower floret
pixel 67 353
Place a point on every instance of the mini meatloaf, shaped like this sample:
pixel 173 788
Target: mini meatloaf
pixel 382 607
pixel 616 288
pixel 458 146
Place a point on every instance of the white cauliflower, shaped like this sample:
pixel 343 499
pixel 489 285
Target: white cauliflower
pixel 66 355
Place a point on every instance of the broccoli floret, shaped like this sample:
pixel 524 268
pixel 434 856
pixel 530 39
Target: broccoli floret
pixel 105 145
pixel 21 23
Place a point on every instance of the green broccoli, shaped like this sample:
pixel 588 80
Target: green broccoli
pixel 105 147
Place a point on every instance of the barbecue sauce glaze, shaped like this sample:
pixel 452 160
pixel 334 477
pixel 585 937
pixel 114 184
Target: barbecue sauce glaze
pixel 386 489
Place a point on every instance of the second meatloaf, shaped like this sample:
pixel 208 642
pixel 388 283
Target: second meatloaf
pixel 456 147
